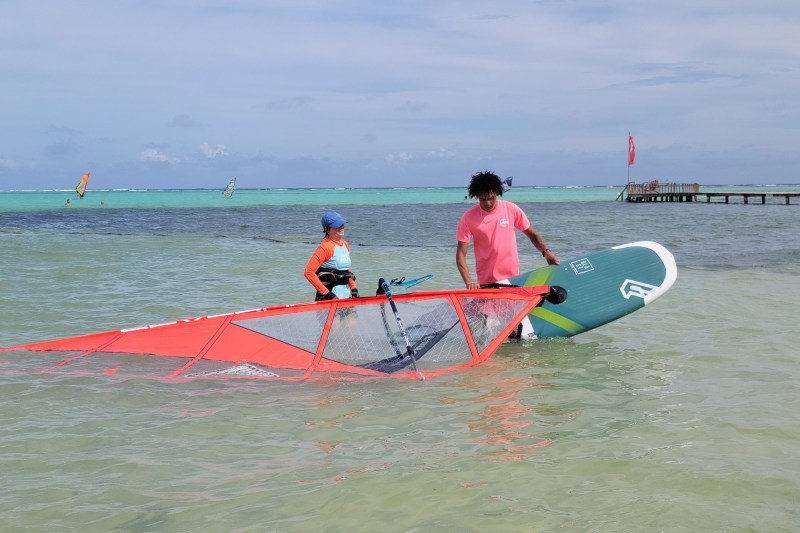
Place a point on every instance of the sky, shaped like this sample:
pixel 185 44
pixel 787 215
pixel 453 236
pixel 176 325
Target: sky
pixel 381 93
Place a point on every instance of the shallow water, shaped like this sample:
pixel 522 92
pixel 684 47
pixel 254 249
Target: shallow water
pixel 680 417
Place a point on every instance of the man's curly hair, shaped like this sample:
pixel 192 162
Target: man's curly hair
pixel 485 182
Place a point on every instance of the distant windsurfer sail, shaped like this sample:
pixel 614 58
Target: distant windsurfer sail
pixel 80 188
pixel 507 183
pixel 230 188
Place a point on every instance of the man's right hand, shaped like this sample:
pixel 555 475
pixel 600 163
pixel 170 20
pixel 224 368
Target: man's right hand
pixel 329 296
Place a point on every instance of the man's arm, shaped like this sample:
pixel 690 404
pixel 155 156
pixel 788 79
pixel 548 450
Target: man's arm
pixel 539 244
pixel 461 263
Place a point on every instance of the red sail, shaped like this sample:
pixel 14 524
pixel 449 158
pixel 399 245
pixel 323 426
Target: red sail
pixel 348 338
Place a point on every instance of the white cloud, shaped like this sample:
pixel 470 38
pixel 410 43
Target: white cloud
pixel 399 158
pixel 154 156
pixel 8 163
pixel 443 153
pixel 211 153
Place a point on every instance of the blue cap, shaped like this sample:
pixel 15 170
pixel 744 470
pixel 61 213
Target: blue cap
pixel 332 219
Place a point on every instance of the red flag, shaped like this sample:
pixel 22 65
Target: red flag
pixel 631 150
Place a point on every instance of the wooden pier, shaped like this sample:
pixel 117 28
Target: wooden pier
pixel 747 195
pixel 653 191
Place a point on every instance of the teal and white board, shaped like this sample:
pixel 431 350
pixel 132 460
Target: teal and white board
pixel 601 287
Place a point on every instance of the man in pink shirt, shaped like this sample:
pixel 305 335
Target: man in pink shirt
pixel 491 225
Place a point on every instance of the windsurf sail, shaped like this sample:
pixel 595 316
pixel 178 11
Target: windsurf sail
pixel 507 183
pixel 230 188
pixel 342 339
pixel 80 188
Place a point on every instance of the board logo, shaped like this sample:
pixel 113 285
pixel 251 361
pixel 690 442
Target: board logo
pixel 635 288
pixel 581 266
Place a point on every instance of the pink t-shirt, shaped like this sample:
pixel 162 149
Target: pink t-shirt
pixel 495 243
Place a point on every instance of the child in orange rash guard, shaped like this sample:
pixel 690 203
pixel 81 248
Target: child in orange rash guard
pixel 328 269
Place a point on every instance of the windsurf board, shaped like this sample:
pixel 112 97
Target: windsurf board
pixel 601 287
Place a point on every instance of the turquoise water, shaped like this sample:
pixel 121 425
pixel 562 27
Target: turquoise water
pixel 680 417
pixel 27 200
pixel 34 200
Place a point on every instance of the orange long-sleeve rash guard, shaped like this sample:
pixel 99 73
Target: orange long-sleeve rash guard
pixel 323 252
